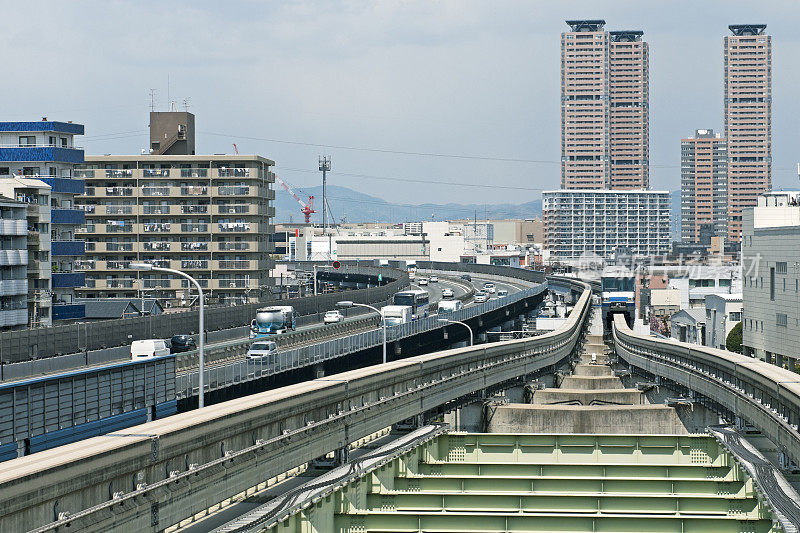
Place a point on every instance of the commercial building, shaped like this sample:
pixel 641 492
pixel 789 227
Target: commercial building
pixel 604 108
pixel 584 223
pixel 771 271
pixel 704 187
pixel 209 216
pixel 37 167
pixel 748 119
pixel 13 263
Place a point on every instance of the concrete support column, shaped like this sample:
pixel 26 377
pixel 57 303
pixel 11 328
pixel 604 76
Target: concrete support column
pixel 319 371
pixel 779 360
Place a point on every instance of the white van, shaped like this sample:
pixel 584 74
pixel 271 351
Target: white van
pixel 149 348
pixel 449 306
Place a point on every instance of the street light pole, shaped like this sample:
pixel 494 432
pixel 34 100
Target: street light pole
pixel 346 304
pixel 448 321
pixel 201 325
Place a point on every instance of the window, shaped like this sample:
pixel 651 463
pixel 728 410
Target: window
pixel 735 316
pixel 51 140
pixel 782 320
pixel 63 142
pixel 724 283
pixel 4 171
pixel 780 267
pixel 772 283
pixel 27 140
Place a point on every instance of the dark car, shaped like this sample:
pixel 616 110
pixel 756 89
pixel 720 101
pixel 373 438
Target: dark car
pixel 182 343
pixel 466 277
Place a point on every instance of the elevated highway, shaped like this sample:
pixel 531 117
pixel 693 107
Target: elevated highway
pixel 154 475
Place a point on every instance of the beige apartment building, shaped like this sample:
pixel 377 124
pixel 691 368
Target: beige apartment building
pixel 748 119
pixel 604 108
pixel 208 216
pixel 704 187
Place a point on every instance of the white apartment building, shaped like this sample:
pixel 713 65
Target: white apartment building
pixel 771 275
pixel 723 312
pixel 594 222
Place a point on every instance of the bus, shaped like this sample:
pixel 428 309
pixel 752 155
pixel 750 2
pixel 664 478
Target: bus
pixel 617 293
pixel 417 299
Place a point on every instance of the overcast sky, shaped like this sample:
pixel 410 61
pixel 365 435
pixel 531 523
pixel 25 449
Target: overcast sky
pixel 476 79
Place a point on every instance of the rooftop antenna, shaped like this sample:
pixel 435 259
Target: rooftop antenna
pixel 325 167
pixel 168 100
pixel 152 100
pixel 186 102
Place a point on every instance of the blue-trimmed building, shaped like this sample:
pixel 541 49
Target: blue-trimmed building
pixel 37 164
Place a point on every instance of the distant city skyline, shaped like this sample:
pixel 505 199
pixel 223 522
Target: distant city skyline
pixel 480 81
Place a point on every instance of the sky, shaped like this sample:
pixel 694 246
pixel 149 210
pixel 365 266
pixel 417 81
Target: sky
pixel 414 101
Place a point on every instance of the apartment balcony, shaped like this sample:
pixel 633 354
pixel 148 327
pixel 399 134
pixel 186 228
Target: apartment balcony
pixel 193 228
pixel 155 173
pixel 236 209
pixel 113 191
pixel 194 173
pixel 194 190
pixel 87 264
pixel 63 280
pixel 34 238
pixel 193 209
pixel 235 190
pixel 13 287
pixel 64 185
pixel 117 173
pixel 235 264
pixel 156 227
pixel 223 284
pixel 40 152
pixel 227 246
pixel 39 268
pixel 62 248
pixel 76 217
pixel 192 264
pixel 118 246
pixel 156 191
pixel 13 257
pixel 114 265
pixel 159 283
pixel 113 284
pixel 9 227
pixel 113 228
pixel 14 317
pixel 161 246
pixel 117 209
pixel 233 172
pixel 68 311
pixel 194 246
pixel 155 209
pixel 237 227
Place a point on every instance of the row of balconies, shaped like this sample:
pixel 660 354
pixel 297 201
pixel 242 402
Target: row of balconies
pixel 168 284
pixel 170 173
pixel 97 265
pixel 174 228
pixel 12 227
pixel 216 209
pixel 225 191
pixel 167 246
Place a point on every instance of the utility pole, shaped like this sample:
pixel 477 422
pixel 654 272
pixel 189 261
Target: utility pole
pixel 325 167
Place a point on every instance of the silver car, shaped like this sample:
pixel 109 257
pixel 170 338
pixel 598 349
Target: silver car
pixel 262 351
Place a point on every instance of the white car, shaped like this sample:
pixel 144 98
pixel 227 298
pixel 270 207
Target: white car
pixel 422 281
pixel 489 287
pixel 481 297
pixel 260 350
pixel 447 292
pixel 434 279
pixel 333 317
pixel 148 348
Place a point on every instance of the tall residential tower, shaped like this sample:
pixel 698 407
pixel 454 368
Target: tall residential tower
pixel 704 187
pixel 604 108
pixel 748 119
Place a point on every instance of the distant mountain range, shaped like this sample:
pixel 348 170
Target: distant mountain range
pixel 348 205
pixel 351 206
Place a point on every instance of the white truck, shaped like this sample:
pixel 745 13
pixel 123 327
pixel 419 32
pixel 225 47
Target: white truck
pixel 396 314
pixel 272 321
pixel 449 306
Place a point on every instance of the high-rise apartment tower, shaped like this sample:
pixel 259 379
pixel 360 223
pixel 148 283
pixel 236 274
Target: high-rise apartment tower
pixel 704 187
pixel 604 108
pixel 748 119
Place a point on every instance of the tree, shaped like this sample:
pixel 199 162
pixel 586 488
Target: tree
pixel 734 341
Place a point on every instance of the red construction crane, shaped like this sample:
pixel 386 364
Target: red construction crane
pixel 307 208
